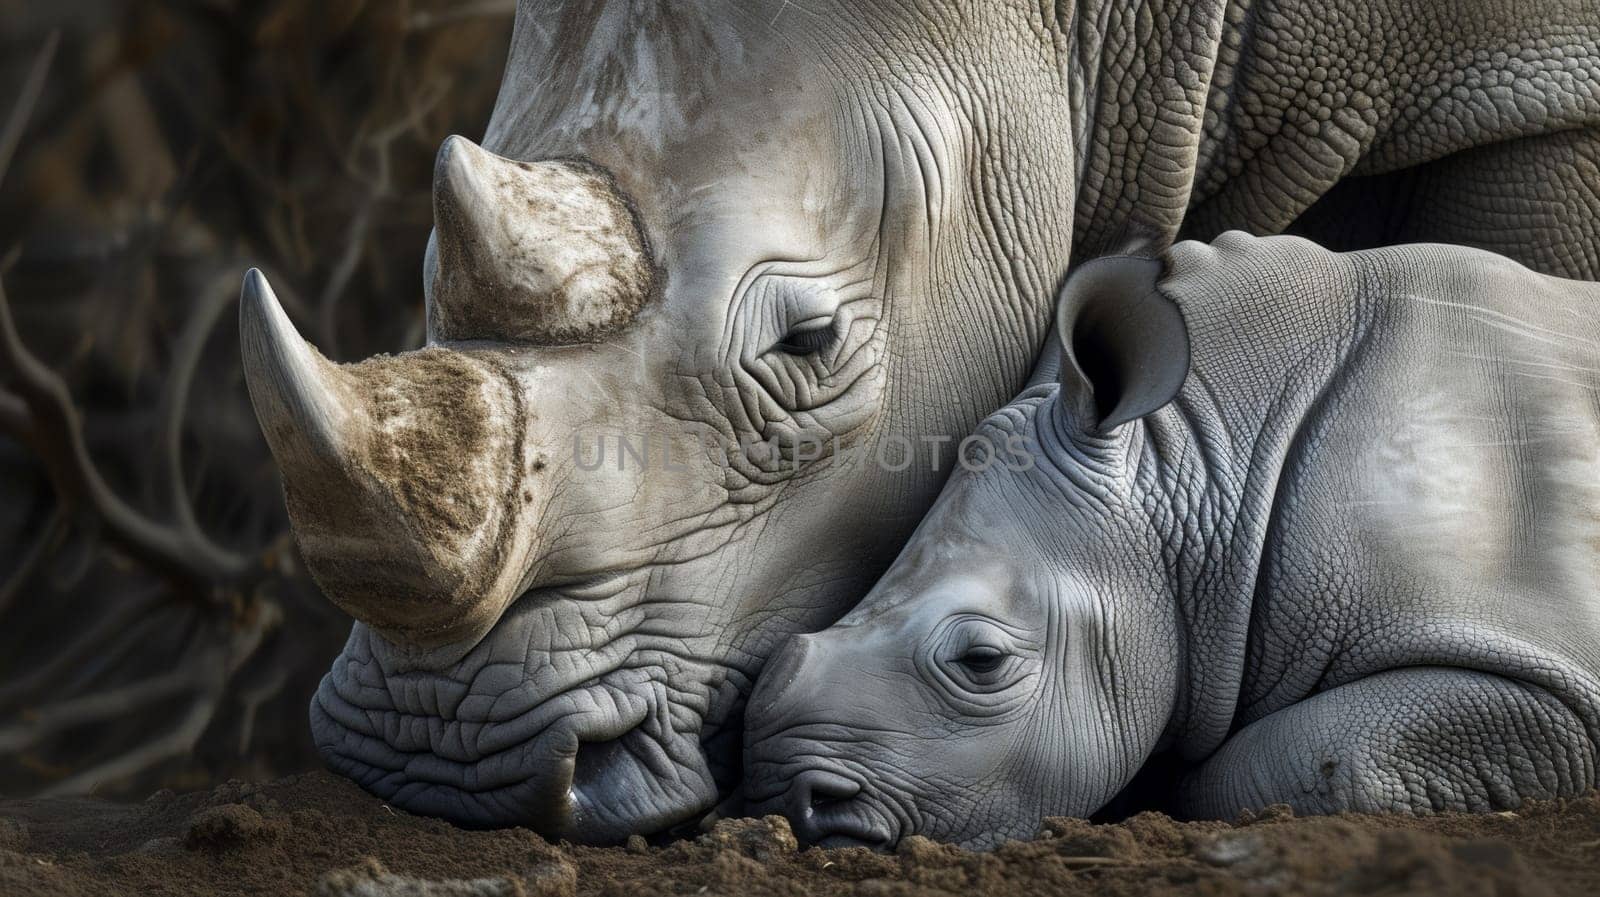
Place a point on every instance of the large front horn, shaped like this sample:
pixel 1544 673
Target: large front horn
pixel 532 252
pixel 302 400
pixel 395 474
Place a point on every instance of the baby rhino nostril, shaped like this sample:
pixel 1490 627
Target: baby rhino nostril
pixel 830 809
pixel 815 789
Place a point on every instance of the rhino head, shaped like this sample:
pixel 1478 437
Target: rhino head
pixel 692 228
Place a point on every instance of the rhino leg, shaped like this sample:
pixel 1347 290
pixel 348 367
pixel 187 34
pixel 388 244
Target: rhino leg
pixel 1414 740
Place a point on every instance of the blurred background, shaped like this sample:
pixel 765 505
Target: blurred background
pixel 155 627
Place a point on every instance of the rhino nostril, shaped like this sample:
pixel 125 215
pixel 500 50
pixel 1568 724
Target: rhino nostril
pixel 817 789
pixel 830 809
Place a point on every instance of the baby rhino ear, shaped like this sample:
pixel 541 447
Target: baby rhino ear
pixel 1126 348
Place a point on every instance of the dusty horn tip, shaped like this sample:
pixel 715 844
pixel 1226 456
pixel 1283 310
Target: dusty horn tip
pixel 293 388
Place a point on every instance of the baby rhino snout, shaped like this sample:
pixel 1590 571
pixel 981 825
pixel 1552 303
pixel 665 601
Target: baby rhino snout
pixel 828 808
pixel 797 691
pixel 820 807
pixel 799 759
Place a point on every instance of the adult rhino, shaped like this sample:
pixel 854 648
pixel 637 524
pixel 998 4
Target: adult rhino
pixel 1317 529
pixel 823 223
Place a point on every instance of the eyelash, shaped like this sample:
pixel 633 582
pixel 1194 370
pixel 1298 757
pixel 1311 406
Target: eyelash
pixel 982 660
pixel 808 341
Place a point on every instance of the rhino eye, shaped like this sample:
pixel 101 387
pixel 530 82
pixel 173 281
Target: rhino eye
pixel 807 338
pixel 981 660
pixel 979 666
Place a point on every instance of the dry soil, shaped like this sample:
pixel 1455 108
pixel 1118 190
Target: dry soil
pixel 317 834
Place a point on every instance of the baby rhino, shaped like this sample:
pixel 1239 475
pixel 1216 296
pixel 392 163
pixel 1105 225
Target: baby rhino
pixel 1317 529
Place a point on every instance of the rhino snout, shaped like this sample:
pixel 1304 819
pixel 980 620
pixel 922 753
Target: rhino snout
pixel 827 812
pixel 583 763
pixel 827 801
pixel 793 765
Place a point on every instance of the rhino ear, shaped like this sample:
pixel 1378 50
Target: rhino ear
pixel 1125 346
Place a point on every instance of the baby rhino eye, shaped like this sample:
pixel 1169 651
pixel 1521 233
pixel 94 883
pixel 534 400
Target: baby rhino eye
pixel 981 659
pixel 807 338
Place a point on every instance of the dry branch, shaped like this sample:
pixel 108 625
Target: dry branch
pixel 42 415
pixel 35 553
pixel 54 428
pixel 100 638
pixel 309 155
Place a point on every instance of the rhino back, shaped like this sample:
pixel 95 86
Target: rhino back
pixel 1305 93
pixel 1439 503
pixel 1392 459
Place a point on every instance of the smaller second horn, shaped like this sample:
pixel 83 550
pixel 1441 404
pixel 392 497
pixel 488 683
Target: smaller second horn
pixel 546 253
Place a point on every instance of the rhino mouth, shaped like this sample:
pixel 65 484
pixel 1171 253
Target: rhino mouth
pixel 497 738
pixel 830 804
pixel 849 825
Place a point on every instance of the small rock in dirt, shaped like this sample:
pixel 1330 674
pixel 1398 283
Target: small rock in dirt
pixel 371 879
pixel 229 792
pixel 638 845
pixel 539 850
pixel 1229 848
pixel 227 827
pixel 762 839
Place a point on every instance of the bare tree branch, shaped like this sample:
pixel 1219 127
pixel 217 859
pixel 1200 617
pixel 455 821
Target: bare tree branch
pixel 99 705
pixel 55 430
pixel 104 638
pixel 42 545
pixel 49 422
pixel 216 299
pixel 177 742
pixel 380 188
pixel 205 674
pixel 355 245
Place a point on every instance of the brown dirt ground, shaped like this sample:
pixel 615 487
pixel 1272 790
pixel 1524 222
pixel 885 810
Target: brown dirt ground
pixel 317 834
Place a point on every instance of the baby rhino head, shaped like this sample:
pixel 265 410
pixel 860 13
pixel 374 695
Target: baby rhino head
pixel 1020 658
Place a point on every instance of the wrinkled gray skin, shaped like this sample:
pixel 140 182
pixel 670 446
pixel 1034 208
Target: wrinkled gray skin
pixel 829 219
pixel 1335 548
